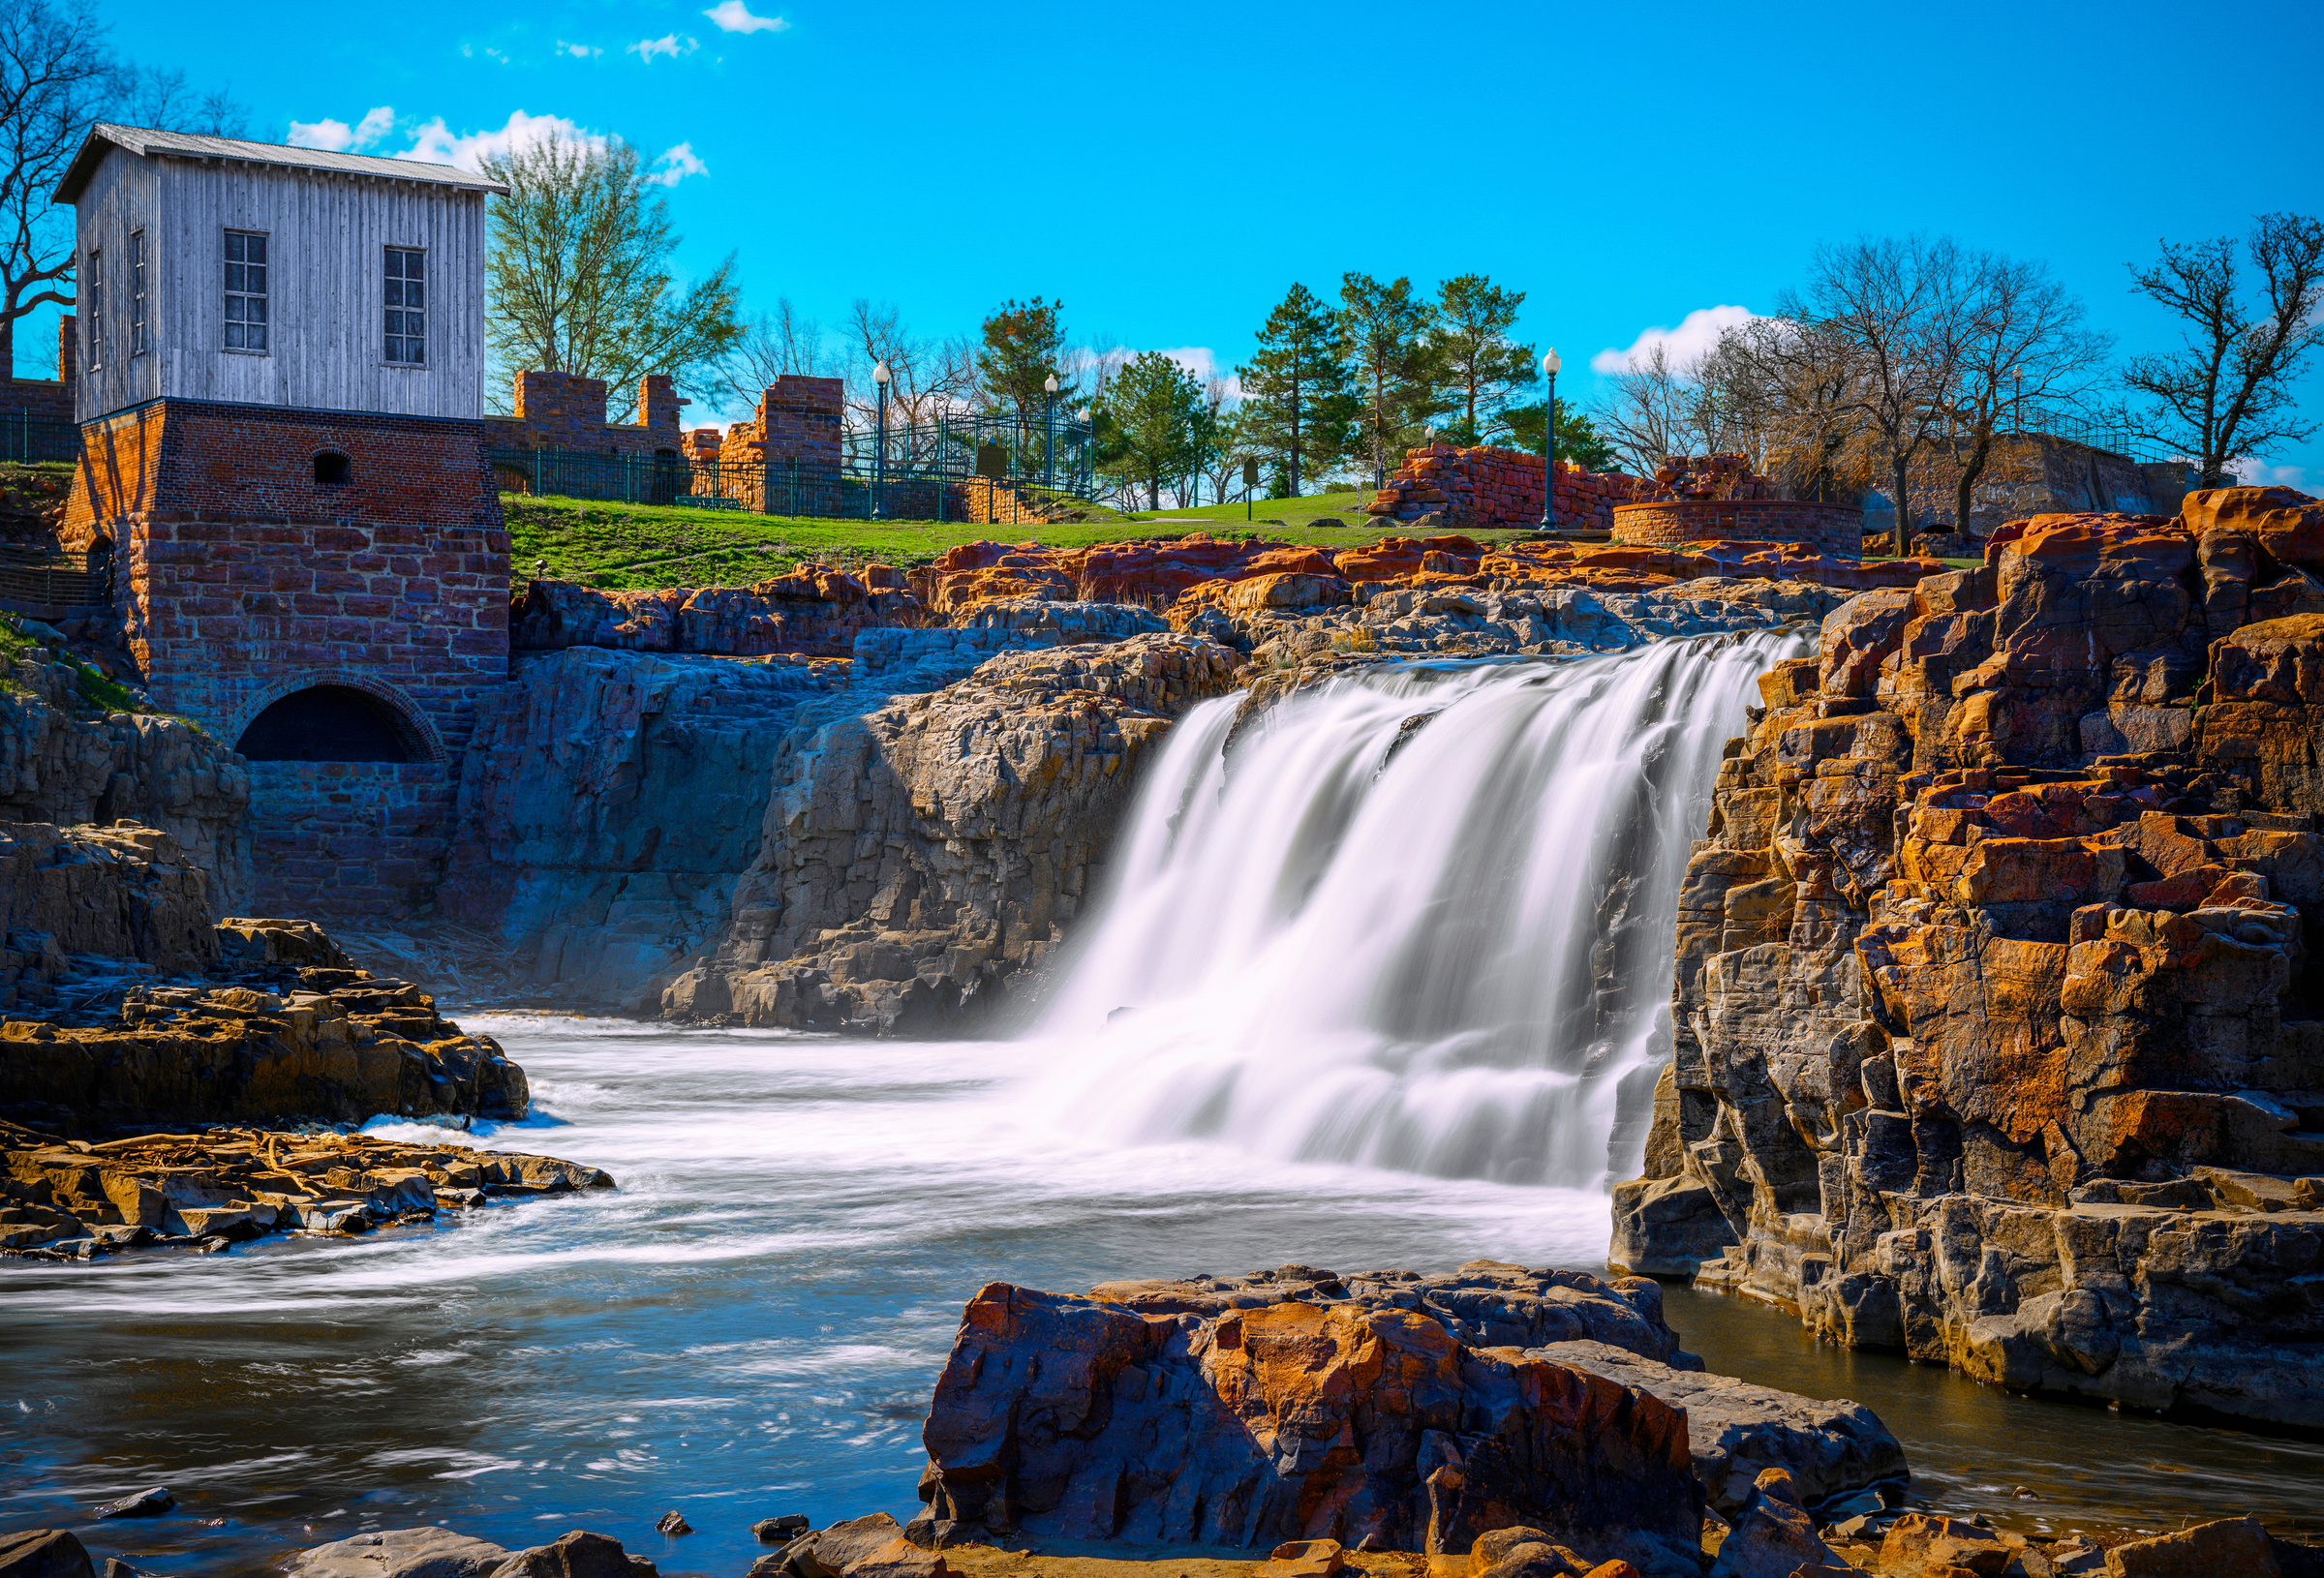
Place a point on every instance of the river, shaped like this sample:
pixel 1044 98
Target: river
pixel 751 1324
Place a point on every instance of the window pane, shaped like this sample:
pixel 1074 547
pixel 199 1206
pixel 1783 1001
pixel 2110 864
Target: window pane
pixel 233 309
pixel 258 338
pixel 412 294
pixel 234 245
pixel 395 264
pixel 233 276
pixel 395 292
pixel 256 312
pixel 257 249
pixel 413 323
pixel 258 279
pixel 412 265
pixel 234 337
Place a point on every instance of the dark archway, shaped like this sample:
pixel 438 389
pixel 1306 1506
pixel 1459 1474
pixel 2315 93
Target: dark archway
pixel 332 724
pixel 333 469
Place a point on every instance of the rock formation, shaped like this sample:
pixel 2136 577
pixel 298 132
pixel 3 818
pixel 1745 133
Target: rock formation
pixel 917 855
pixel 1383 1410
pixel 1998 1034
pixel 74 1199
pixel 1084 1419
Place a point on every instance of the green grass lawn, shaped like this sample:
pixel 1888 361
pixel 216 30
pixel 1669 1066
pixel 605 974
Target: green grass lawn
pixel 625 547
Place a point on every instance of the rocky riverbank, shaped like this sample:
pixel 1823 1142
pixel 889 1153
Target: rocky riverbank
pixel 1997 1012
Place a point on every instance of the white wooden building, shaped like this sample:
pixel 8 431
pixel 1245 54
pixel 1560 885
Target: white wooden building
pixel 253 273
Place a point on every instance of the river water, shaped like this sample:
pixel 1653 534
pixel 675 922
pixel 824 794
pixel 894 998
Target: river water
pixel 1379 1016
pixel 752 1325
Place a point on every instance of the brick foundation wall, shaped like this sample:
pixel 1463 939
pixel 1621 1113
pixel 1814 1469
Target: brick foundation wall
pixel 350 838
pixel 1831 528
pixel 241 580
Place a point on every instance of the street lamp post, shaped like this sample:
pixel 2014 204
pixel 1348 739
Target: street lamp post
pixel 1049 442
pixel 1550 365
pixel 1081 453
pixel 879 456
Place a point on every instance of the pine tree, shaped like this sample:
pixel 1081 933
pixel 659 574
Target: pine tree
pixel 1481 364
pixel 1155 407
pixel 1578 440
pixel 1297 409
pixel 1383 330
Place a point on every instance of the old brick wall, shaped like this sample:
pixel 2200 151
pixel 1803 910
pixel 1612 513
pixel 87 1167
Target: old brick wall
pixel 241 580
pixel 798 419
pixel 1831 528
pixel 49 398
pixel 1487 488
pixel 565 410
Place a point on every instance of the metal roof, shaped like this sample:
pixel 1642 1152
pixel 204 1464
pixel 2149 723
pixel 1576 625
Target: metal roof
pixel 150 144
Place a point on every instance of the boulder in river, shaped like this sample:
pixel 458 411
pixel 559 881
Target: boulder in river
pixel 44 1553
pixel 1289 1419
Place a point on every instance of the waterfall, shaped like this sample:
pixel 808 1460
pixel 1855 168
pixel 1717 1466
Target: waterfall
pixel 1420 918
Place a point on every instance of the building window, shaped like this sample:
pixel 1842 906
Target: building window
pixel 245 290
pixel 137 294
pixel 93 312
pixel 406 306
pixel 331 469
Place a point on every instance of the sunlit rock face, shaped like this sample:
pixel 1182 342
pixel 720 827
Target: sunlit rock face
pixel 1997 1022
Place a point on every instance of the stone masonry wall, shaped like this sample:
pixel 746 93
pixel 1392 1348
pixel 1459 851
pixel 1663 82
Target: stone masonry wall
pixel 2034 474
pixel 50 398
pixel 798 419
pixel 240 580
pixel 1831 528
pixel 1485 488
pixel 565 410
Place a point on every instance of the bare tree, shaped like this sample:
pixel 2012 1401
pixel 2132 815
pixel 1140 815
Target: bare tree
pixel 1647 415
pixel 774 345
pixel 162 100
pixel 2024 341
pixel 1903 308
pixel 1804 398
pixel 2227 394
pixel 926 378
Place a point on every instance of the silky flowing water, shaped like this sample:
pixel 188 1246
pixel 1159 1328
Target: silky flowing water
pixel 752 1324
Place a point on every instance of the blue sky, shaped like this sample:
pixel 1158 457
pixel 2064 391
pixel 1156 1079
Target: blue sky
pixel 1169 169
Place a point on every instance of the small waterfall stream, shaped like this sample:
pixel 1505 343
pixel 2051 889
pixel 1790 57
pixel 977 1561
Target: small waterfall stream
pixel 1420 918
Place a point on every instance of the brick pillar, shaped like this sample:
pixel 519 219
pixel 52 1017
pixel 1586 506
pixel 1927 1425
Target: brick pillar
pixel 68 353
pixel 657 407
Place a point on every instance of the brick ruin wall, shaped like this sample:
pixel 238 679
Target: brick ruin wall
pixel 48 399
pixel 241 580
pixel 565 410
pixel 1664 523
pixel 1487 488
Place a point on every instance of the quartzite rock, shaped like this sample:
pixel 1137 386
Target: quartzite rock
pixel 916 854
pixel 1076 1419
pixel 80 1198
pixel 1997 1052
pixel 44 1553
pixel 425 1551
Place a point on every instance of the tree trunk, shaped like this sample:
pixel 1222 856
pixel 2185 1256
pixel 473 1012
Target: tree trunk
pixel 1970 472
pixel 1900 464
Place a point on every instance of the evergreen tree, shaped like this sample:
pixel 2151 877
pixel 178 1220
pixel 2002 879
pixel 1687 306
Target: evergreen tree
pixel 1578 440
pixel 1023 346
pixel 1481 365
pixel 1383 334
pixel 1155 407
pixel 1297 409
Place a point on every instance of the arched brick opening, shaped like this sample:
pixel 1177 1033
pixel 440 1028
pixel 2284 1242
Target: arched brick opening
pixel 333 723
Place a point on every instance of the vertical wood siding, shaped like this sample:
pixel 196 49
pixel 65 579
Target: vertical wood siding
pixel 327 240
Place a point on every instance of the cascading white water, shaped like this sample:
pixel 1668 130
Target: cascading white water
pixel 1420 918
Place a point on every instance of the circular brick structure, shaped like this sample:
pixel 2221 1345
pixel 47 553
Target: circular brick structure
pixel 1831 528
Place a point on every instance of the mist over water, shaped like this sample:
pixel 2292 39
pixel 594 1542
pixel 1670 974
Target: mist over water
pixel 754 1323
pixel 1420 920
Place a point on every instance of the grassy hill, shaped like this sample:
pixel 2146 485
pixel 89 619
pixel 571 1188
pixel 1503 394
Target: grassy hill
pixel 623 546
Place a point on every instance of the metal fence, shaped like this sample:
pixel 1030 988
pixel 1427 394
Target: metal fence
pixel 2076 428
pixel 45 583
pixel 24 438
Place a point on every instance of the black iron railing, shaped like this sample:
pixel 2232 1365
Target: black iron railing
pixel 26 437
pixel 40 582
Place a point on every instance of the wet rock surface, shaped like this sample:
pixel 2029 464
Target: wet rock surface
pixel 77 1200
pixel 1997 1042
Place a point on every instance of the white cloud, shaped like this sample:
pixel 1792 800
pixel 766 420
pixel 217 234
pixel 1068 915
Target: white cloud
pixel 672 45
pixel 438 145
pixel 1697 333
pixel 579 51
pixel 676 164
pixel 1203 363
pixel 337 136
pixel 2258 474
pixel 734 16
